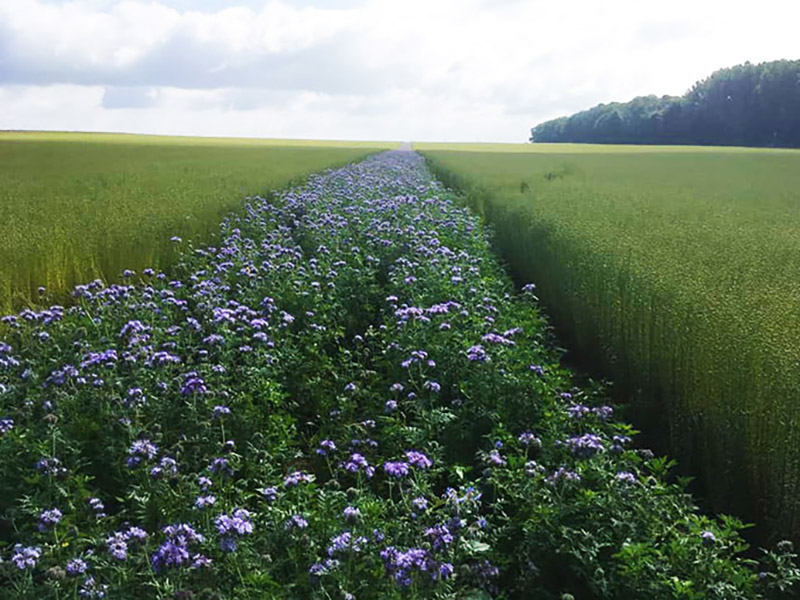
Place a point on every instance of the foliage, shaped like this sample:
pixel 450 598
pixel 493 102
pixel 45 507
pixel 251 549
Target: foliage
pixel 74 207
pixel 342 399
pixel 675 273
pixel 745 105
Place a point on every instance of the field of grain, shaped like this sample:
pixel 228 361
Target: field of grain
pixel 677 272
pixel 74 207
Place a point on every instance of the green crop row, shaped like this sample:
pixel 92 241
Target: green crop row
pixel 676 272
pixel 74 207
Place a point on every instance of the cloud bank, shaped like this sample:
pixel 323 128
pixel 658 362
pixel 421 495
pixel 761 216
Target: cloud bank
pixel 471 70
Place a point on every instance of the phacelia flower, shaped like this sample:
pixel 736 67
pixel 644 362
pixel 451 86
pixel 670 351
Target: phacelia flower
pixel 418 459
pixel 296 522
pixel 396 469
pixel 49 518
pixel 231 526
pixel 26 557
pixel 76 566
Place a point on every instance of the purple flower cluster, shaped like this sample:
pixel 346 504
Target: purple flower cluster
pixel 357 463
pixel 175 551
pixel 585 446
pixel 326 447
pixel 440 536
pixel 477 353
pixel 296 522
pixel 563 474
pixel 26 557
pixel 118 542
pixel 49 519
pixel 344 543
pixel 142 449
pixel 402 565
pixel 296 478
pixel 233 526
pixel 6 425
pixel 396 469
pixel 418 460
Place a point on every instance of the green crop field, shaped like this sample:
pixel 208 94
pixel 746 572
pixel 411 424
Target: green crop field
pixel 678 271
pixel 78 206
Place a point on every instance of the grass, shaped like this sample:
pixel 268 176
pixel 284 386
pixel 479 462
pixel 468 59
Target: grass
pixel 77 206
pixel 677 271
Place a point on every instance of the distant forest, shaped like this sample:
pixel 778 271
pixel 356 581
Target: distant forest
pixel 745 105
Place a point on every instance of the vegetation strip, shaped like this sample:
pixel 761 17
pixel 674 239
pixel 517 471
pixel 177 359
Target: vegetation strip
pixel 343 399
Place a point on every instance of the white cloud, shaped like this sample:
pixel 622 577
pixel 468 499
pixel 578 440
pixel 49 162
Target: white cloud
pixel 378 69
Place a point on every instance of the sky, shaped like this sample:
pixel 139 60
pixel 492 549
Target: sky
pixel 421 70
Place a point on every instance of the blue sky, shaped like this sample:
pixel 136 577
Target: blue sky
pixel 450 70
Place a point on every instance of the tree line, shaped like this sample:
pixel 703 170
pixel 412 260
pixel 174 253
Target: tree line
pixel 745 105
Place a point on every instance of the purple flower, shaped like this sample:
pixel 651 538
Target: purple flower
pixel 326 447
pixel 351 514
pixel 440 536
pixel 49 518
pixel 296 478
pixel 167 467
pixel 396 469
pixel 76 566
pixel 136 533
pixel 91 589
pixel 402 565
pixel 585 445
pixel 200 561
pixel 220 411
pixel 203 501
pixel 432 386
pixel 390 406
pixel 563 474
pixel 269 493
pixel 496 338
pixel 345 542
pixel 142 448
pixel 528 439
pixel 232 526
pixel 626 477
pixel 603 412
pixel 477 353
pixel 6 425
pixel 496 459
pixel 26 557
pixel 708 538
pixel 193 384
pixel 118 543
pixel 296 522
pixel 355 463
pixel 50 466
pixel 350 388
pixel 172 553
pixel 578 411
pixel 204 482
pixel 219 466
pixel 419 503
pixel 98 507
pixel 418 459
